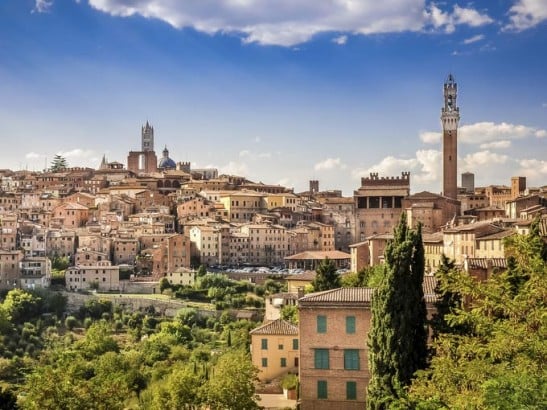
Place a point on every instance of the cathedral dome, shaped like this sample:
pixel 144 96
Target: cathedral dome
pixel 166 162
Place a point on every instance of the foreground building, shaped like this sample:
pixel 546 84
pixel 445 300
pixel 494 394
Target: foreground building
pixel 334 327
pixel 274 349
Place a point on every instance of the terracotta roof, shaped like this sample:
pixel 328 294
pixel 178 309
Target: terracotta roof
pixel 428 286
pixel 308 275
pixel 348 295
pixel 319 255
pixel 362 295
pixel 276 327
pixel 484 262
pixel 497 235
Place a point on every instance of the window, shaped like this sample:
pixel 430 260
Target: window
pixel 280 347
pixel 295 344
pixel 351 359
pixel 350 324
pixel 322 389
pixel 264 362
pixel 351 391
pixel 321 358
pixel 264 344
pixel 283 362
pixel 321 324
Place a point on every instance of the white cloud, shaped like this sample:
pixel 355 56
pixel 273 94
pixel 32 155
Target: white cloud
pixel 340 40
pixel 496 144
pixel 291 22
pixel 34 155
pixel 329 163
pixel 533 168
pixel 42 6
pixel 77 153
pixel 526 14
pixel 235 168
pixel 446 21
pixel 483 132
pixel 482 159
pixel 430 137
pixel 424 168
pixel 473 39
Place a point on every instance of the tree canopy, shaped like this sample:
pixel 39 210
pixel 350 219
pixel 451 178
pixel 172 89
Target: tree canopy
pixel 499 362
pixel 327 277
pixel 398 336
pixel 59 163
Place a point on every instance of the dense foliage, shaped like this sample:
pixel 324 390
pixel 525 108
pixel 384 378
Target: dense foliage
pixel 103 357
pixel 327 277
pixel 397 338
pixel 498 361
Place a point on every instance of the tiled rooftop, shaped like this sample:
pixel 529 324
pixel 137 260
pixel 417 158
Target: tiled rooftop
pixel 276 327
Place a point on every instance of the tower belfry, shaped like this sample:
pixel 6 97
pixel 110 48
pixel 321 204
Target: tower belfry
pixel 147 137
pixel 450 117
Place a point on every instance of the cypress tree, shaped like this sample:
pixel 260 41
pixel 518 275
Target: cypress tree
pixel 398 334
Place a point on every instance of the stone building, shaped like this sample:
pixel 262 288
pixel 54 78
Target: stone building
pixel 144 161
pixel 379 203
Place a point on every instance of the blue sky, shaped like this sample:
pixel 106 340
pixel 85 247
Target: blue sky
pixel 278 91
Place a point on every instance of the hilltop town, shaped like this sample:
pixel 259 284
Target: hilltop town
pixel 128 228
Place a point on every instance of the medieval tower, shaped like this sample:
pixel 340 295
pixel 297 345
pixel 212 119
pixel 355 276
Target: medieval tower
pixel 450 116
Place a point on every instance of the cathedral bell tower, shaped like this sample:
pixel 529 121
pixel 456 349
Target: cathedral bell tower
pixel 450 117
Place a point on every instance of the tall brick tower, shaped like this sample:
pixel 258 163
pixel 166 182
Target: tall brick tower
pixel 450 116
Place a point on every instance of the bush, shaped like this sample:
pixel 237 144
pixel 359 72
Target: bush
pixel 71 322
pixel 289 381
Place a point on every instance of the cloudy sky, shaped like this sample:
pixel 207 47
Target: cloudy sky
pixel 279 91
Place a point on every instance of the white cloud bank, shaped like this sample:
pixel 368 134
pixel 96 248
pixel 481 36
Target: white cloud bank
pixel 291 22
pixel 329 163
pixel 424 169
pixel 526 14
pixel 484 132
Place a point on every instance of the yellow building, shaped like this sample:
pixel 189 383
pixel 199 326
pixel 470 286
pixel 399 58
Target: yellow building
pixel 275 349
pixel 242 205
pixel 282 200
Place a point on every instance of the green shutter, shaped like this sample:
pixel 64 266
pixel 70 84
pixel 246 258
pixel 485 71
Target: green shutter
pixel 283 362
pixel 351 391
pixel 322 390
pixel 351 359
pixel 321 324
pixel 321 358
pixel 350 324
pixel 295 344
pixel 264 362
pixel 264 344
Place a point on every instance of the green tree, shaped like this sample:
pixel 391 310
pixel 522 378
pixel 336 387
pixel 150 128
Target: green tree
pixel 448 301
pixel 59 163
pixel 231 386
pixel 8 399
pixel 290 314
pixel 327 277
pixel 398 336
pixel 164 284
pixel 202 271
pixel 500 362
pixel 22 306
